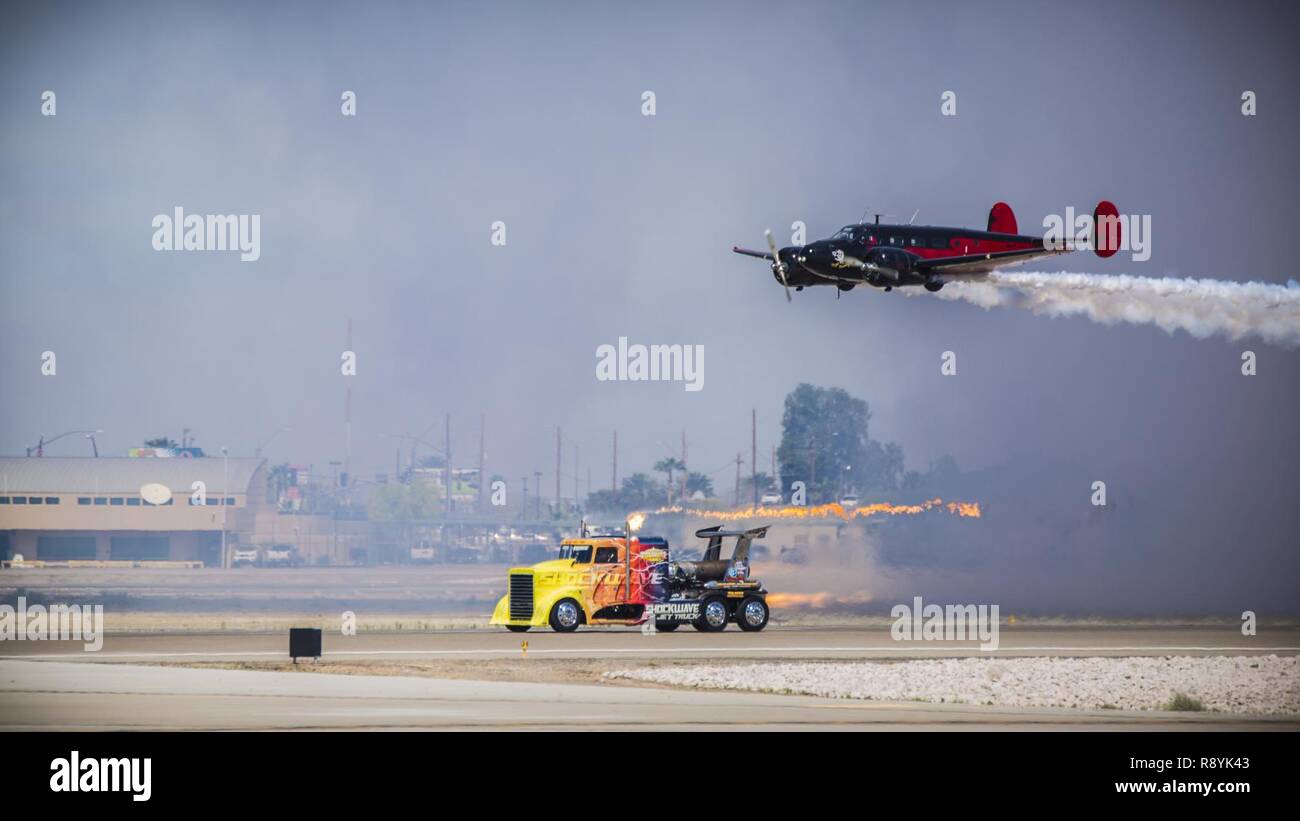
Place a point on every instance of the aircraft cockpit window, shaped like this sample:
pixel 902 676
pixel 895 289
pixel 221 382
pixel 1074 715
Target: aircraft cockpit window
pixel 844 233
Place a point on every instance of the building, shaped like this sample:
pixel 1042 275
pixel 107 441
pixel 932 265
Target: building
pixel 62 508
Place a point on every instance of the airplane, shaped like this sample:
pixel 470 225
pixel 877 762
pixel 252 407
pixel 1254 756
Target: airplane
pixel 892 256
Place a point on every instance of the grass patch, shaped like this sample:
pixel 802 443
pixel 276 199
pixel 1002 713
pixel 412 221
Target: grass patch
pixel 1181 702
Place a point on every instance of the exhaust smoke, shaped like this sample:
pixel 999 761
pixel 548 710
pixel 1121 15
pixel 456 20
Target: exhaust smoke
pixel 1201 307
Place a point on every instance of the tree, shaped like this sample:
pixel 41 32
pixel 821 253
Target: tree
pixel 640 492
pixel 699 482
pixel 939 478
pixel 881 469
pixel 824 431
pixel 278 480
pixel 403 503
pixel 161 442
pixel 825 444
pixel 761 480
pixel 668 465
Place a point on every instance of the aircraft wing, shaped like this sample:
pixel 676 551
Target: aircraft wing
pixel 982 263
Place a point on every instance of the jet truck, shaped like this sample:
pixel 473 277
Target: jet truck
pixel 610 580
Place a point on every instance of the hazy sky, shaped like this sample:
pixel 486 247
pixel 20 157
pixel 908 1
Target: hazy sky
pixel 621 225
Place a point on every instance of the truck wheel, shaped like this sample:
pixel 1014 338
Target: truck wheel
pixel 565 616
pixel 518 628
pixel 752 614
pixel 667 627
pixel 713 616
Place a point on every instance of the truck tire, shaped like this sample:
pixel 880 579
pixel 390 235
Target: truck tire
pixel 566 615
pixel 667 627
pixel 752 614
pixel 713 616
pixel 518 628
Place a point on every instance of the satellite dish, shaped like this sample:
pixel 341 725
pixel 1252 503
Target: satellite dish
pixel 155 494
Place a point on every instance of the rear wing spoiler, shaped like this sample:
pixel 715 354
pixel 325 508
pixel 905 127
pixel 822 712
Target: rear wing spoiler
pixel 716 534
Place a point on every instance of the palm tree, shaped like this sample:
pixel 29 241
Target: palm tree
pixel 699 482
pixel 667 466
pixel 277 482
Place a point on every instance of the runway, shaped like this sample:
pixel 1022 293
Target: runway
pixel 139 682
pixel 800 643
pixel 66 696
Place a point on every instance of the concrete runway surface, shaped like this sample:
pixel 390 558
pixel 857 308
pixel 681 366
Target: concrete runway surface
pixel 794 643
pixel 70 696
pixel 136 682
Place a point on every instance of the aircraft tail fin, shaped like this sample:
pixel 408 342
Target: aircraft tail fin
pixel 1002 220
pixel 1108 229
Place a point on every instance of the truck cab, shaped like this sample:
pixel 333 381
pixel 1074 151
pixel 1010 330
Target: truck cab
pixel 597 581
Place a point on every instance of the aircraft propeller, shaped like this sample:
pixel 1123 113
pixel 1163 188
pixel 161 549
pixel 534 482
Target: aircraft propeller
pixel 778 267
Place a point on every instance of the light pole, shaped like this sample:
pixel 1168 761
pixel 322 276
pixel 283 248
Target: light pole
pixel 225 487
pixel 40 445
pixel 258 452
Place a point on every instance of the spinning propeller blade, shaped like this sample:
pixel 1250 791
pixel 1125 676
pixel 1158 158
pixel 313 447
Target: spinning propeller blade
pixel 778 267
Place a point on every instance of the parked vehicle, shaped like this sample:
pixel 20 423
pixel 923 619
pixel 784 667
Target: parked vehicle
pixel 281 555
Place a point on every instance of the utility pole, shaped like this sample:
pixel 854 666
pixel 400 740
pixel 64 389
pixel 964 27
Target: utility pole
pixel 482 477
pixel 614 480
pixel 225 488
pixel 682 495
pixel 739 460
pixel 538 494
pixel 576 495
pixel 559 444
pixel 778 484
pixel 447 448
pixel 753 451
pixel 347 415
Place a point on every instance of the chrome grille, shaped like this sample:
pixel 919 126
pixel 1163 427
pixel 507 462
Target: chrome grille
pixel 521 596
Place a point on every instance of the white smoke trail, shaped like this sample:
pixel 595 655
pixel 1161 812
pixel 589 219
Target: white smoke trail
pixel 1201 307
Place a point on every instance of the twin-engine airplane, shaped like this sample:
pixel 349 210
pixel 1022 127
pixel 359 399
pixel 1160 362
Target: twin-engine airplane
pixel 890 256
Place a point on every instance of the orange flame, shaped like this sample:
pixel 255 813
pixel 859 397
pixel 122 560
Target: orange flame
pixel 965 510
pixel 816 601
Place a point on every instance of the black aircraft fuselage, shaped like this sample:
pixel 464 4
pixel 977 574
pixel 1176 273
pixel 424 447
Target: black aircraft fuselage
pixel 890 256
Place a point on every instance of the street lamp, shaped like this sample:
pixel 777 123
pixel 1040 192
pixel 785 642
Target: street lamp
pixel 258 452
pixel 40 445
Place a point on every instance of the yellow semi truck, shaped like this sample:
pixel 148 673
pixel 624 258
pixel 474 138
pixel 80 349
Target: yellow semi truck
pixel 598 581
